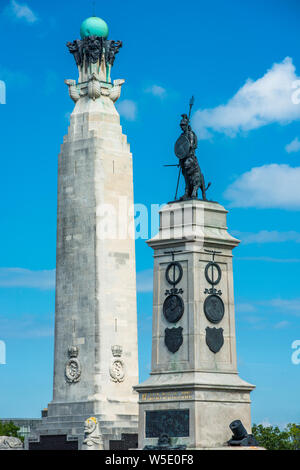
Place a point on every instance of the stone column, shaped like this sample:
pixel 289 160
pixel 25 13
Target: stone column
pixel 194 391
pixel 96 356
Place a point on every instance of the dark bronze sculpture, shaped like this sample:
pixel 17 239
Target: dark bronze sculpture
pixel 111 49
pixel 185 148
pixel 75 48
pixel 240 436
pixel 91 49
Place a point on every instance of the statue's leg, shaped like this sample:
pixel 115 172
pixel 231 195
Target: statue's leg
pixel 194 194
pixel 186 179
pixel 203 187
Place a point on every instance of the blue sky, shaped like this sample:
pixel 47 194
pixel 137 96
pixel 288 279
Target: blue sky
pixel 241 60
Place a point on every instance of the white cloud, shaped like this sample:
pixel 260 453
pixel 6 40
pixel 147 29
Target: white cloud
pixel 266 423
pixel 285 305
pixel 14 77
pixel 254 320
pixel 293 146
pixel 144 281
pixel 268 259
pixel 21 12
pixel 27 326
pixel 127 109
pixel 156 90
pixel 281 325
pixel 257 103
pixel 268 186
pixel 19 277
pixel 245 307
pixel 265 236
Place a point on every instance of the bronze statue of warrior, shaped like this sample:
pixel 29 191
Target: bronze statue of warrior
pixel 185 149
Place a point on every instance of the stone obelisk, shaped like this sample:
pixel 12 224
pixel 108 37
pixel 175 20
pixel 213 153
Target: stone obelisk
pixel 194 391
pixel 96 356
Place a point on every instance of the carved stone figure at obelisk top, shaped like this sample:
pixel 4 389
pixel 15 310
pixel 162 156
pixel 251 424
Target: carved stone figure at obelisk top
pixel 185 150
pixel 94 72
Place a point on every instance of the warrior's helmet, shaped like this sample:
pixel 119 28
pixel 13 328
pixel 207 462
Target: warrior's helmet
pixel 184 122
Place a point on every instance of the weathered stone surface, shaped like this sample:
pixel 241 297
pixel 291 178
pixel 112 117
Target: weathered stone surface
pixel 95 278
pixel 194 378
pixel 10 443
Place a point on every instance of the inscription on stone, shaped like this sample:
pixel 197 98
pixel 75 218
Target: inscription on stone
pixel 175 423
pixel 166 396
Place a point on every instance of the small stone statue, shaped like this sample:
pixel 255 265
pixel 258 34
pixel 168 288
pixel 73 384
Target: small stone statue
pixel 10 443
pixel 185 148
pixel 92 436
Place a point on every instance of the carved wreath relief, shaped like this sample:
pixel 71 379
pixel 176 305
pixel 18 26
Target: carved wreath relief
pixel 213 305
pixel 73 367
pixel 173 307
pixel 117 368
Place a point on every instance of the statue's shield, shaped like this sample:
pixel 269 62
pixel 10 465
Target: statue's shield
pixel 182 147
pixel 173 338
pixel 214 339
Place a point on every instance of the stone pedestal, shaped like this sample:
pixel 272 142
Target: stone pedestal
pixel 194 391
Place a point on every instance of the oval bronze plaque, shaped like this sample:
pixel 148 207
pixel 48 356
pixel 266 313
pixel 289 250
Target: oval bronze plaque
pixel 214 308
pixel 173 308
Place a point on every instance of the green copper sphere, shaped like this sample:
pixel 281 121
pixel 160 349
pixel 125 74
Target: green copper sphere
pixel 94 26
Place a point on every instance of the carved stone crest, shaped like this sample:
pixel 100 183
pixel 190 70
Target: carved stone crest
pixel 117 368
pixel 173 338
pixel 73 367
pixel 214 339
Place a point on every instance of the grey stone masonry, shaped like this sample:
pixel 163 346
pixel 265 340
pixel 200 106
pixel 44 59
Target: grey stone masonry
pixel 96 356
pixel 199 380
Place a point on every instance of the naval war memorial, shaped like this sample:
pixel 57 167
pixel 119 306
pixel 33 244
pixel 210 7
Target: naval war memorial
pixel 194 397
